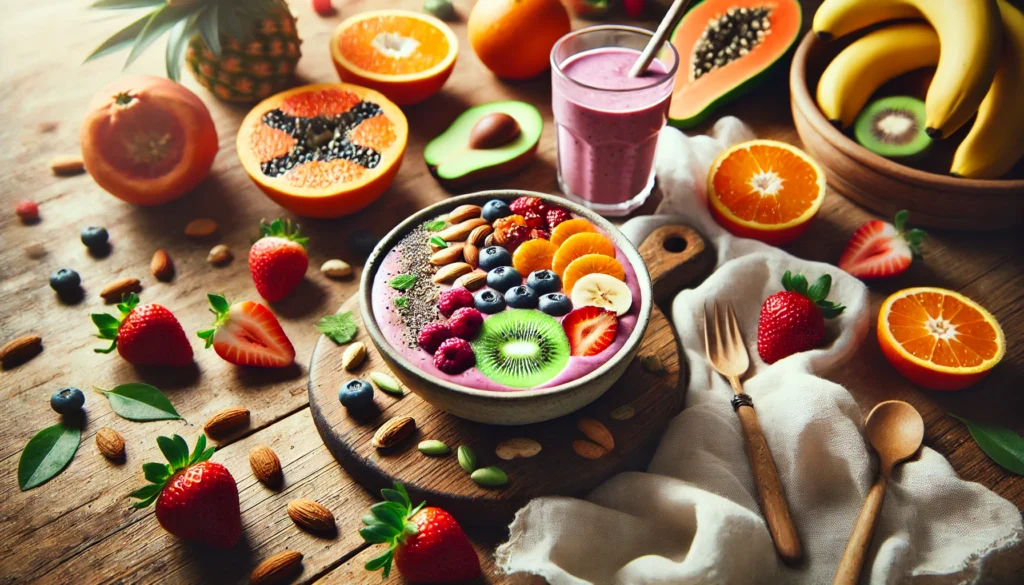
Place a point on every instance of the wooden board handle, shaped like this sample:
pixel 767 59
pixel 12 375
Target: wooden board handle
pixel 769 488
pixel 848 572
pixel 676 257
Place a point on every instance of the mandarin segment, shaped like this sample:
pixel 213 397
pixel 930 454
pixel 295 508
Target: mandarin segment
pixel 580 245
pixel 590 264
pixel 568 228
pixel 533 255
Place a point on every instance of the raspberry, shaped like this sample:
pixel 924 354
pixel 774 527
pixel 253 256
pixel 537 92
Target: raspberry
pixel 523 204
pixel 557 215
pixel 466 323
pixel 433 335
pixel 515 236
pixel 454 299
pixel 454 356
pixel 535 220
pixel 27 210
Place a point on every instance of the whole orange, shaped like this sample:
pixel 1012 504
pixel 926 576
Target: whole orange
pixel 513 38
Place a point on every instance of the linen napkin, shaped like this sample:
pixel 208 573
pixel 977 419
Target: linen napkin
pixel 693 517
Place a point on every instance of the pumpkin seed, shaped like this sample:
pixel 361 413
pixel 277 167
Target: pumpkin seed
pixel 624 412
pixel 387 383
pixel 652 363
pixel 466 458
pixel 433 447
pixel 489 476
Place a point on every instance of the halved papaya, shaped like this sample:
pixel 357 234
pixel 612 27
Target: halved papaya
pixel 726 47
pixel 323 150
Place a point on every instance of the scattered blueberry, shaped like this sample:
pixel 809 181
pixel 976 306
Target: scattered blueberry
pixel 503 278
pixel 489 302
pixel 521 297
pixel 492 257
pixel 555 304
pixel 544 282
pixel 496 209
pixel 65 281
pixel 356 395
pixel 67 401
pixel 95 238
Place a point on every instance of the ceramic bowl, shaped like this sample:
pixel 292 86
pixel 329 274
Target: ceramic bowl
pixel 934 200
pixel 516 407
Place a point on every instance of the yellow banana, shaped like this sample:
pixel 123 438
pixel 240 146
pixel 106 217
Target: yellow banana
pixel 861 68
pixel 996 140
pixel 969 30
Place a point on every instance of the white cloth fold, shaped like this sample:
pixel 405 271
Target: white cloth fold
pixel 693 517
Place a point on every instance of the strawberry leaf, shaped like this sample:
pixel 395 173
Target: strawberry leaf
pixel 156 472
pixel 340 327
pixel 389 513
pixel 47 454
pixel 382 561
pixel 819 290
pixel 376 534
pixel 900 220
pixel 198 452
pixel 396 496
pixel 172 451
pixel 140 402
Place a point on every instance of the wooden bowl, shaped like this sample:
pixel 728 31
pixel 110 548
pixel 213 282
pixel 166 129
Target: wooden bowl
pixel 934 200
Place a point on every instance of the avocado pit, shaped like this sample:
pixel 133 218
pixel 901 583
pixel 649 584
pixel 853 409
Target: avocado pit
pixel 493 130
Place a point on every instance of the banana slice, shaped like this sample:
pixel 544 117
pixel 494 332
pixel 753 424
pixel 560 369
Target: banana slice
pixel 601 290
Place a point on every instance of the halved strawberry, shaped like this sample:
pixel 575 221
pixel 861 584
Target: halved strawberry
pixel 247 334
pixel 881 250
pixel 590 330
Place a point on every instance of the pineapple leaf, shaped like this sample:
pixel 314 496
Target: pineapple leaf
pixel 177 43
pixel 123 4
pixel 207 25
pixel 159 23
pixel 229 22
pixel 121 39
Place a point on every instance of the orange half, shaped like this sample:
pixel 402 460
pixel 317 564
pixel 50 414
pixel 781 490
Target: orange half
pixel 939 339
pixel 405 55
pixel 765 190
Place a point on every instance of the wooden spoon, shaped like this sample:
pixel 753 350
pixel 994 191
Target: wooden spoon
pixel 894 429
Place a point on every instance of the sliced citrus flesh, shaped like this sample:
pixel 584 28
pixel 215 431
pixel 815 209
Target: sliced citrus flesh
pixel 533 255
pixel 570 227
pixel 591 264
pixel 580 245
pixel 405 55
pixel 766 190
pixel 938 338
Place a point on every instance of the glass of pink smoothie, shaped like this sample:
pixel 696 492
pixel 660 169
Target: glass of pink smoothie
pixel 608 122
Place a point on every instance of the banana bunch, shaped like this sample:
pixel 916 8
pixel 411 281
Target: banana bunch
pixel 977 47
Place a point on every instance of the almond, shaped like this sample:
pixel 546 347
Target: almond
pixel 393 431
pixel 65 166
pixel 110 443
pixel 225 421
pixel 113 292
pixel 354 356
pixel 277 569
pixel 161 266
pixel 448 274
pixel 473 281
pixel 218 255
pixel 266 466
pixel 515 448
pixel 311 516
pixel 596 432
pixel 493 130
pixel 588 450
pixel 460 231
pixel 20 349
pixel 336 269
pixel 464 212
pixel 200 228
pixel 452 253
pixel 489 240
pixel 471 254
pixel 479 235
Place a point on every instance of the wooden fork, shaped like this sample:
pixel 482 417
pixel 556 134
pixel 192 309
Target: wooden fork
pixel 728 355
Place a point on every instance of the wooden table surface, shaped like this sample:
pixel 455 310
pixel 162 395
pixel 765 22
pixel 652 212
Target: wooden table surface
pixel 79 527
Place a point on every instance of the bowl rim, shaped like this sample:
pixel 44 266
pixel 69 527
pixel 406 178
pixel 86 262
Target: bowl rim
pixel 621 241
pixel 801 96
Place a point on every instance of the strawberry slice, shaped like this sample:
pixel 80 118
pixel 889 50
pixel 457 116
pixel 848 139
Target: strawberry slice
pixel 590 330
pixel 247 334
pixel 882 250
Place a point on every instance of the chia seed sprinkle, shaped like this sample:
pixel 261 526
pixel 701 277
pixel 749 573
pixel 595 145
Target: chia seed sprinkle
pixel 414 258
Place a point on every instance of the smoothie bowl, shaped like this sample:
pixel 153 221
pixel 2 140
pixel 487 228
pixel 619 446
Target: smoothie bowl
pixel 506 307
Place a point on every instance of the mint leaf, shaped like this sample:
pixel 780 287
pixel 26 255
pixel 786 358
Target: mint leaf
pixel 140 402
pixel 340 328
pixel 435 226
pixel 47 454
pixel 401 302
pixel 403 281
pixel 437 241
pixel 1002 445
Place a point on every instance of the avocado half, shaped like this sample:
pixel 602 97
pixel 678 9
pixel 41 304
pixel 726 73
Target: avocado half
pixel 454 163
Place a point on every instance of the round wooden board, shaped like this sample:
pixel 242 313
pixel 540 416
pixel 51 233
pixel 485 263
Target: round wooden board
pixel 557 469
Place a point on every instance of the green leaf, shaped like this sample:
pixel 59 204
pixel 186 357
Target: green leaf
pixel 402 302
pixel 1002 445
pixel 403 281
pixel 120 40
pixel 819 290
pixel 146 491
pixel 437 241
pixel 170 448
pixel 155 472
pixel 182 447
pixel 389 513
pixel 206 454
pixel 208 28
pixel 159 23
pixel 198 452
pixel 339 328
pixel 46 454
pixel 396 496
pixel 384 560
pixel 177 43
pixel 369 519
pixel 435 226
pixel 377 534
pixel 140 402
pixel 231 25
pixel 219 305
pixel 900 220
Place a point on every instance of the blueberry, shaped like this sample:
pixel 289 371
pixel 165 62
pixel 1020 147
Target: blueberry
pixel 492 257
pixel 67 401
pixel 503 278
pixel 356 395
pixel 489 302
pixel 521 297
pixel 544 282
pixel 95 238
pixel 65 281
pixel 555 304
pixel 496 209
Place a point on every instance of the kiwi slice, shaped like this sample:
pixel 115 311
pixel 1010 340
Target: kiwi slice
pixel 893 127
pixel 521 348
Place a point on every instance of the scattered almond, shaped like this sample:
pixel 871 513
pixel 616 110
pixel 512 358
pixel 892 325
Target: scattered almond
pixel 277 569
pixel 471 254
pixel 460 231
pixel 393 431
pixel 20 349
pixel 464 212
pixel 473 281
pixel 161 266
pixel 65 166
pixel 452 253
pixel 110 443
pixel 624 412
pixel 218 255
pixel 200 228
pixel 479 234
pixel 489 240
pixel 354 356
pixel 225 421
pixel 588 450
pixel 113 292
pixel 520 447
pixel 448 274
pixel 596 432
pixel 266 466
pixel 311 516
pixel 336 269
pixel 652 363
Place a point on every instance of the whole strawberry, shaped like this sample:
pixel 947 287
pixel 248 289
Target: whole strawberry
pixel 426 544
pixel 278 260
pixel 196 499
pixel 793 320
pixel 145 335
pixel 882 250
